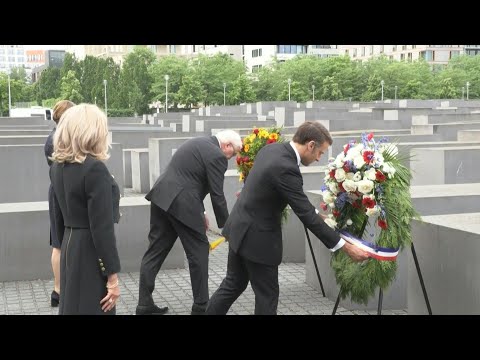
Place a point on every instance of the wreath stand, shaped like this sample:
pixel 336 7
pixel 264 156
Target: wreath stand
pixel 380 294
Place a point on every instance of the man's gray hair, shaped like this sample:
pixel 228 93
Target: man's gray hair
pixel 229 136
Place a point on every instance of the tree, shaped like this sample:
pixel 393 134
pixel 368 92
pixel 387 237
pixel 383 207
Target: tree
pixel 191 91
pixel 71 89
pixel 241 92
pixel 135 73
pixel 48 86
pixel 176 68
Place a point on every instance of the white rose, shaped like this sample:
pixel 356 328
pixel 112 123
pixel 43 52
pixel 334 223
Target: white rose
pixel 358 161
pixel 330 222
pixel 333 187
pixel 349 185
pixel 349 222
pixel 349 176
pixel 370 174
pixel 365 186
pixel 357 176
pixel 340 175
pixel 328 197
pixel 373 211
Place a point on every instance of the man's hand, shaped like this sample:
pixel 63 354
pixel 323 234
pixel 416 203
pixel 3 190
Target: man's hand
pixel 206 222
pixel 355 253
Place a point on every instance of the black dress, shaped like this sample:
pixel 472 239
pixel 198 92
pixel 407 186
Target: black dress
pixel 84 218
pixel 48 148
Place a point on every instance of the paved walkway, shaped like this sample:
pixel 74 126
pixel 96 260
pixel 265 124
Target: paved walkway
pixel 173 289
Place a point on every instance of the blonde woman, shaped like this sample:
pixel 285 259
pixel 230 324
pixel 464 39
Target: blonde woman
pixel 58 110
pixel 86 207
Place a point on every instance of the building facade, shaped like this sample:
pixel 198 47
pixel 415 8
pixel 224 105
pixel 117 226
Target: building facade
pixel 433 54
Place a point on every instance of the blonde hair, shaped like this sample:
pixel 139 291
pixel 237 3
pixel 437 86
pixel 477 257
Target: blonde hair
pixel 82 130
pixel 59 108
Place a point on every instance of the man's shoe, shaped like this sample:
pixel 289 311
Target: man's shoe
pixel 54 299
pixel 150 310
pixel 199 309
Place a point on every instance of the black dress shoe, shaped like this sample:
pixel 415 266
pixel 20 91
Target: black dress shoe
pixel 54 299
pixel 199 309
pixel 150 310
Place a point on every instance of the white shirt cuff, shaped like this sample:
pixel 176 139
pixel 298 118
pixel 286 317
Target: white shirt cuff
pixel 338 246
pixel 316 210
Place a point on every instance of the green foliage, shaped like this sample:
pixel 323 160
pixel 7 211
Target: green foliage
pixel 121 112
pixel 71 89
pixel 241 92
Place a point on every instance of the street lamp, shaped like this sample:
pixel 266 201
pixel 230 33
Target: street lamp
pixel 224 87
pixel 463 92
pixel 396 87
pixel 105 87
pixel 289 83
pixel 468 85
pixel 95 100
pixel 313 92
pixel 9 97
pixel 382 83
pixel 166 92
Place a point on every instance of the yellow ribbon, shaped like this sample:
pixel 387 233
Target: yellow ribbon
pixel 215 243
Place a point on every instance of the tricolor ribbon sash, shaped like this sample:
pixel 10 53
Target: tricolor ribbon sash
pixel 375 251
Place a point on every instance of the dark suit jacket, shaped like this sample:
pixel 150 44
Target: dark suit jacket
pixel 84 194
pixel 254 226
pixel 196 169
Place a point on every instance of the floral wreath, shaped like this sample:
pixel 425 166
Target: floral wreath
pixel 368 182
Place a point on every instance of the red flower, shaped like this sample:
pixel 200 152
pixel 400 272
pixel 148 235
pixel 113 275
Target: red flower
pixel 370 136
pixel 323 206
pixel 336 213
pixel 368 156
pixel 239 160
pixel 346 168
pixel 340 186
pixel 332 173
pixel 246 159
pixel 271 141
pixel 379 176
pixel 255 131
pixel 345 150
pixel 382 223
pixel 368 202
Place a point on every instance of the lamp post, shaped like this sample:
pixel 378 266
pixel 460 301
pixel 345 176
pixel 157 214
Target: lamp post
pixel 463 92
pixel 105 87
pixel 95 100
pixel 468 85
pixel 396 87
pixel 166 93
pixel 289 83
pixel 224 88
pixel 382 83
pixel 313 92
pixel 9 97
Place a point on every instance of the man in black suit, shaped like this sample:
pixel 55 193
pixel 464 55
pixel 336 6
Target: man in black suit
pixel 196 169
pixel 254 230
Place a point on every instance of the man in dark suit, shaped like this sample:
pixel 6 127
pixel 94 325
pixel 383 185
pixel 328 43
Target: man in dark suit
pixel 196 169
pixel 254 230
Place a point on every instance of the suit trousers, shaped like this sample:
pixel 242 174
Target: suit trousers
pixel 264 281
pixel 164 230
